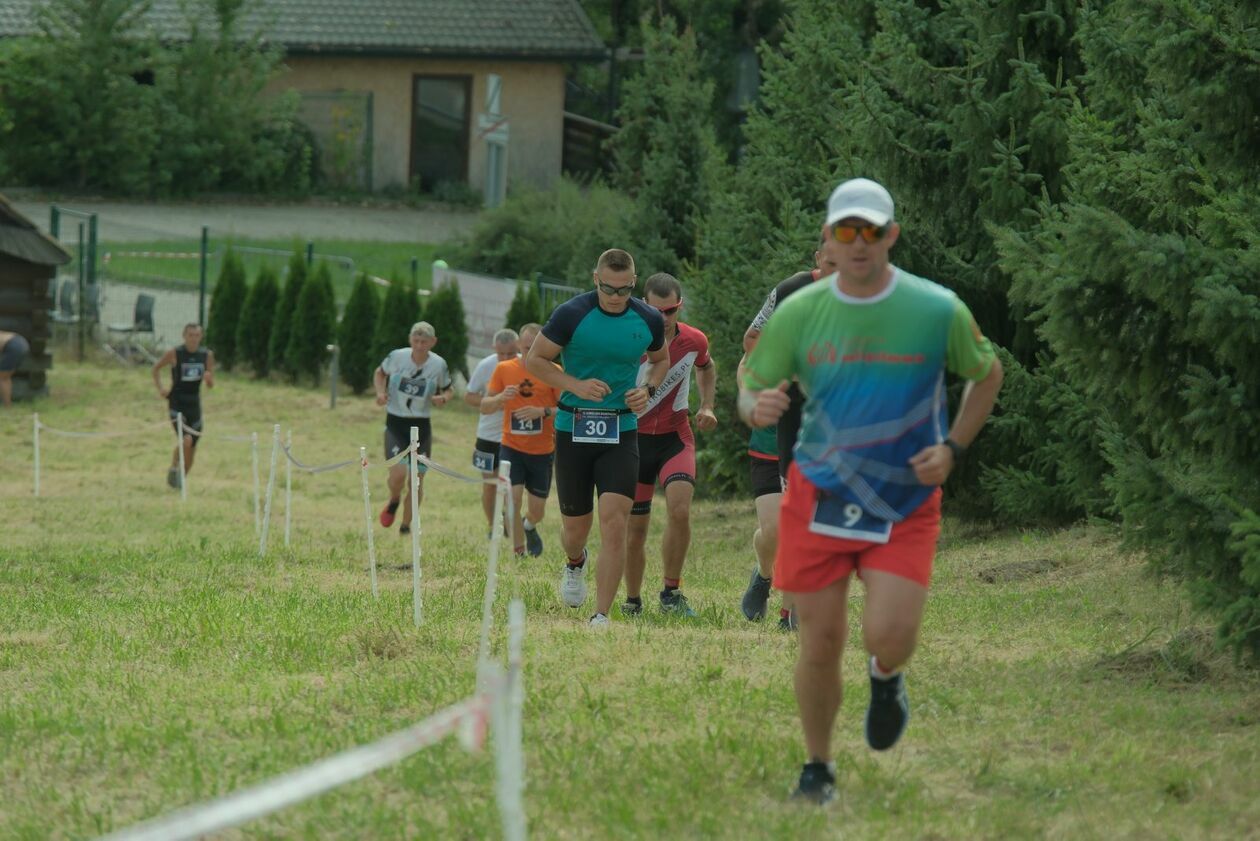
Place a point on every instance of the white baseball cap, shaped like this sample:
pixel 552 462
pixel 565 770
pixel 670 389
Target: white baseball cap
pixel 860 197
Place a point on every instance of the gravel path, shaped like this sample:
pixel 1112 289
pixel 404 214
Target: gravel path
pixel 145 221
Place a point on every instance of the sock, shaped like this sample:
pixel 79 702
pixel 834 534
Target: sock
pixel 784 613
pixel 520 550
pixel 671 584
pixel 578 562
pixel 879 672
pixel 635 600
pixel 393 505
pixel 762 577
pixel 528 525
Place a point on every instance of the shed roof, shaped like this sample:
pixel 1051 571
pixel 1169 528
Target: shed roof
pixel 20 238
pixel 517 29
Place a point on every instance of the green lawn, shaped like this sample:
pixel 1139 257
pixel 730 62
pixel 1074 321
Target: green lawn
pixel 149 660
pixel 345 258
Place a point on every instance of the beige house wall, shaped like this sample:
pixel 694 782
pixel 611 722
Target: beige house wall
pixel 532 100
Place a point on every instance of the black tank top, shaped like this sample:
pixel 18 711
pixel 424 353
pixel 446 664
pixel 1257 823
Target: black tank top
pixel 186 375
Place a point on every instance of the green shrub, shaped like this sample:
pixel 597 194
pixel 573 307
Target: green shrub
pixel 314 326
pixel 445 311
pixel 225 310
pixel 282 324
pixel 525 307
pixel 400 308
pixel 253 331
pixel 355 335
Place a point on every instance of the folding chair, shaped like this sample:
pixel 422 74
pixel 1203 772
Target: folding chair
pixel 142 322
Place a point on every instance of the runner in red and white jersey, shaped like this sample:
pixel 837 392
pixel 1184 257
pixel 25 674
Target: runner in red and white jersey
pixel 667 450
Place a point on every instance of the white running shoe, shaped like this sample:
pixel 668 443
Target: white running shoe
pixel 599 620
pixel 573 585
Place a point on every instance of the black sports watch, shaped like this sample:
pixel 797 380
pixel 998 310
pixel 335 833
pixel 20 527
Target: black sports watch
pixel 651 390
pixel 957 449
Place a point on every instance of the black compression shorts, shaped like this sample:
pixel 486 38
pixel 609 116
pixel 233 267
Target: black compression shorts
pixel 583 469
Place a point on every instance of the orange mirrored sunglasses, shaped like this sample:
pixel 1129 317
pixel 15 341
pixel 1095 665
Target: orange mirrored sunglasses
pixel 848 233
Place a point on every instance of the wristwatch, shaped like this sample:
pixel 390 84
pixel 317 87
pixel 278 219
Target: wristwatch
pixel 957 449
pixel 651 390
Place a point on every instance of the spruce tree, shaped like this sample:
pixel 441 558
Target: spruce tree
pixel 445 311
pixel 225 310
pixel 355 335
pixel 253 332
pixel 400 308
pixel 525 307
pixel 282 324
pixel 1145 283
pixel 314 326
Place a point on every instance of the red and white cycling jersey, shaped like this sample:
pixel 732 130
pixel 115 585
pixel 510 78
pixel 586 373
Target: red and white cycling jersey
pixel 667 411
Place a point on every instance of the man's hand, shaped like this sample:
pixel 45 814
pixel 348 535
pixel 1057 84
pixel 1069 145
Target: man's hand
pixel 932 465
pixel 381 398
pixel 770 405
pixel 507 394
pixel 164 392
pixel 440 398
pixel 596 390
pixel 529 413
pixel 637 399
pixel 706 421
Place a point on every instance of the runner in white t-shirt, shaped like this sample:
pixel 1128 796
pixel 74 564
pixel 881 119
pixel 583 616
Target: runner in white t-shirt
pixel 489 426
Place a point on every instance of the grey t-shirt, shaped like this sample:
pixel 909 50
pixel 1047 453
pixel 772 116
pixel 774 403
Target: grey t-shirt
pixel 411 387
pixel 489 427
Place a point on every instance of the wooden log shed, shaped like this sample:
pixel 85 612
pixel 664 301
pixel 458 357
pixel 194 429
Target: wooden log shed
pixel 28 265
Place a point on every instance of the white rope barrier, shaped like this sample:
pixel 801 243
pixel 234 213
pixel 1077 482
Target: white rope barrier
pixel 65 433
pixel 367 519
pixel 455 474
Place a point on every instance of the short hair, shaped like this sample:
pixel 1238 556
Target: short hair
pixel 662 285
pixel 532 327
pixel 506 336
pixel 615 259
pixel 192 325
pixel 422 328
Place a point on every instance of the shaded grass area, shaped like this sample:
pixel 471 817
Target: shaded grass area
pixel 149 659
pixel 390 260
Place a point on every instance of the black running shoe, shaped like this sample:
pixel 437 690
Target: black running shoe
pixel 888 713
pixel 817 784
pixel 675 604
pixel 533 542
pixel 629 608
pixel 755 597
pixel 172 477
pixel 404 530
pixel 788 623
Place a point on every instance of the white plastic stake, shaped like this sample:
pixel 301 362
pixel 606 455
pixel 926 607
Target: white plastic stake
pixel 367 518
pixel 492 572
pixel 36 425
pixel 413 466
pixel 271 486
pixel 288 487
pixel 253 451
pixel 509 753
pixel 183 471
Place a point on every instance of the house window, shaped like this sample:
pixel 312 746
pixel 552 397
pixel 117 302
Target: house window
pixel 439 130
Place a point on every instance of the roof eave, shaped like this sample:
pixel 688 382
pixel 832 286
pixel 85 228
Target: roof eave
pixel 308 50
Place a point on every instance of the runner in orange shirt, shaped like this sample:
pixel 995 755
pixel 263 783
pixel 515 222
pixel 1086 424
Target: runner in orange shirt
pixel 529 438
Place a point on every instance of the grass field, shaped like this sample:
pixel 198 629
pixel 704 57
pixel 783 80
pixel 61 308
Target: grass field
pixel 149 659
pixel 382 259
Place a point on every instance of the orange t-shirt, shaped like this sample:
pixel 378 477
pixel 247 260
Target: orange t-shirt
pixel 536 437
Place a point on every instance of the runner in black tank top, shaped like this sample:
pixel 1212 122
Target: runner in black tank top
pixel 190 365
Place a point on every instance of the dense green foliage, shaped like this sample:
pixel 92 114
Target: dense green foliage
pixel 282 325
pixel 445 311
pixel 225 310
pixel 355 335
pixel 314 326
pixel 1145 284
pixel 253 329
pixel 93 101
pixel 525 308
pixel 400 308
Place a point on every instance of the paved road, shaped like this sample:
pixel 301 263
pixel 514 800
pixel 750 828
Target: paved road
pixel 144 221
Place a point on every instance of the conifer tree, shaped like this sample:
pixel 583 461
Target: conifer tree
pixel 525 307
pixel 445 311
pixel 400 308
pixel 253 332
pixel 225 310
pixel 1145 281
pixel 314 326
pixel 355 335
pixel 282 324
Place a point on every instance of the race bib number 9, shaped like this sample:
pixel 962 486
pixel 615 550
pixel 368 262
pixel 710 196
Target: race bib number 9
pixel 483 461
pixel 526 426
pixel 838 517
pixel 592 426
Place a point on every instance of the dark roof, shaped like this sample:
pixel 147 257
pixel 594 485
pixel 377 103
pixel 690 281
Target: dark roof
pixel 521 29
pixel 20 238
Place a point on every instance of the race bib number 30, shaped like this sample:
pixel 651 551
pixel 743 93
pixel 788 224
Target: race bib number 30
pixel 591 426
pixel 838 517
pixel 526 426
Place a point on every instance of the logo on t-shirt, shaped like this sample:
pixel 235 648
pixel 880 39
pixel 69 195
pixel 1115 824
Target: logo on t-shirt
pixel 526 388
